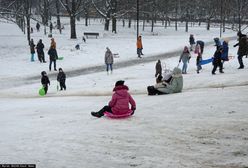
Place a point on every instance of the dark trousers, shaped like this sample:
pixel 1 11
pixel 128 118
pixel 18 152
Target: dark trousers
pixel 139 52
pixel 152 91
pixel 62 85
pixel 240 59
pixel 45 88
pixel 105 108
pixel 41 57
pixel 202 48
pixel 220 65
pixel 199 67
pixel 54 64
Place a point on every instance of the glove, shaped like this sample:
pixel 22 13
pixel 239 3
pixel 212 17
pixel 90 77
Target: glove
pixel 132 113
pixel 133 108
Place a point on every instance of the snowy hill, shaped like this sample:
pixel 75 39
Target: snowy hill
pixel 204 126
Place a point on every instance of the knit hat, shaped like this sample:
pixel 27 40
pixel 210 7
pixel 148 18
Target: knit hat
pixel 120 82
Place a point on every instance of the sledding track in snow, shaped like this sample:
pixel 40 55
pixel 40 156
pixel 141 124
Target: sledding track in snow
pixel 109 93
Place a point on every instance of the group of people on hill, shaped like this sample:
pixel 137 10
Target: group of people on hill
pixel 52 52
pixel 167 82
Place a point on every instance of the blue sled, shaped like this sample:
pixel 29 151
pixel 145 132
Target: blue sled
pixel 203 62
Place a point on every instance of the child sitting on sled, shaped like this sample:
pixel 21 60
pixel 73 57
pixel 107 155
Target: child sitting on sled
pixel 119 104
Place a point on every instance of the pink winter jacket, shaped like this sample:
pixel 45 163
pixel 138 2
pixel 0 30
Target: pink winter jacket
pixel 120 100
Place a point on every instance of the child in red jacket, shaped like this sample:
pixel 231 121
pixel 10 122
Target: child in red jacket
pixel 119 104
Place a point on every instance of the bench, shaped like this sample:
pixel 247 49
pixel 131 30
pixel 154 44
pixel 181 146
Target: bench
pixel 91 34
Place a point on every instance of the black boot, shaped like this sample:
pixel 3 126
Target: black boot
pixel 96 114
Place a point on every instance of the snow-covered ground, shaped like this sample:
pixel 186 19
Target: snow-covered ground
pixel 204 126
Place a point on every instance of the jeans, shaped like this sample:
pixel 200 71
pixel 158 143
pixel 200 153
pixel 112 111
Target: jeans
pixel 32 57
pixel 54 64
pixel 109 66
pixel 184 69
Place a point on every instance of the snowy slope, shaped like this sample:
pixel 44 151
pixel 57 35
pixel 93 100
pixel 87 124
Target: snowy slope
pixel 204 126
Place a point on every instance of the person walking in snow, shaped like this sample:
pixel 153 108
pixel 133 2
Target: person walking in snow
pixel 61 77
pixel 243 48
pixel 45 81
pixel 109 60
pixel 139 47
pixel 119 104
pixel 37 27
pixel 185 57
pixel 41 56
pixel 53 57
pixel 32 49
pixel 217 60
pixel 191 41
pixel 198 62
pixel 158 69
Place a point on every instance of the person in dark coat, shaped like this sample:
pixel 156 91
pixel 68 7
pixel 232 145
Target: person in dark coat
pixel 217 60
pixel 61 79
pixel 201 43
pixel 40 52
pixel 191 42
pixel 158 68
pixel 53 57
pixel 32 49
pixel 243 48
pixel 45 81
pixel 37 27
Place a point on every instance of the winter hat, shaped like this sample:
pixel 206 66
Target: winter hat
pixel 43 73
pixel 120 82
pixel 185 49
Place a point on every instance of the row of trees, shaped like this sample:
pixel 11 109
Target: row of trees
pixel 223 12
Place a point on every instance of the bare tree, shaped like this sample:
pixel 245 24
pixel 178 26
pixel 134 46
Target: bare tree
pixel 73 7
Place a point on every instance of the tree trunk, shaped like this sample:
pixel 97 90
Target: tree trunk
pixel 28 28
pixel 73 27
pixel 106 25
pixel 208 24
pixel 58 16
pixel 86 14
pixel 187 26
pixel 129 22
pixel 114 25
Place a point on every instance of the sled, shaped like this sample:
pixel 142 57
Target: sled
pixel 207 61
pixel 111 115
pixel 116 55
pixel 42 91
pixel 60 58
